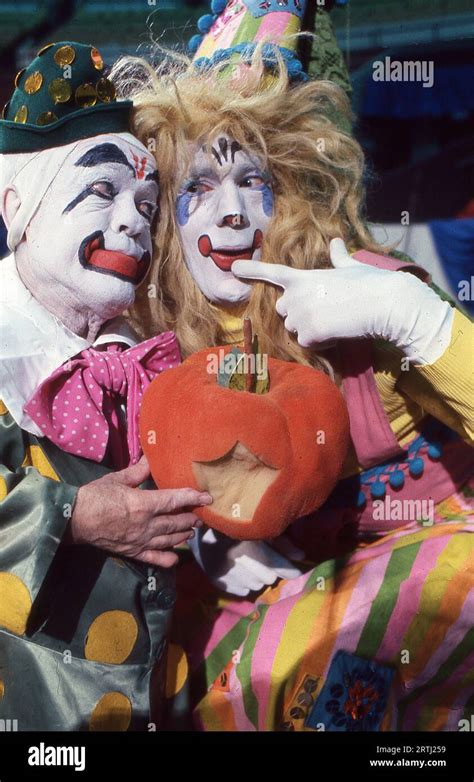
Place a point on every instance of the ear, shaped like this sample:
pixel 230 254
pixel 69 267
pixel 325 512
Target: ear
pixel 10 204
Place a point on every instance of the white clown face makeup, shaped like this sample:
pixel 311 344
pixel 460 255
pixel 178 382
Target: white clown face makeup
pixel 91 234
pixel 223 209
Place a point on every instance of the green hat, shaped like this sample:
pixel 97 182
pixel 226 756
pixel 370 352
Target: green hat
pixel 62 96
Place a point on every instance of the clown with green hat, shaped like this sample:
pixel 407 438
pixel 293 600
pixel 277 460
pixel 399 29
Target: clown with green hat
pixel 86 589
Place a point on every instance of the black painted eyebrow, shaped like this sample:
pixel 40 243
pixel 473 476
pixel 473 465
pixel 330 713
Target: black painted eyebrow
pixel 104 153
pixel 224 149
pixel 77 200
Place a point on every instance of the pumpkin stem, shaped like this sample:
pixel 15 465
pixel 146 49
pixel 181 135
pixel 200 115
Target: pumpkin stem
pixel 248 350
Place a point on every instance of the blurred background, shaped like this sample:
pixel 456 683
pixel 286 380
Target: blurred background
pixel 419 140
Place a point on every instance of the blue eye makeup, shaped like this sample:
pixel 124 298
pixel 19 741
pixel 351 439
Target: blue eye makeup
pixel 190 189
pixel 182 206
pixel 260 181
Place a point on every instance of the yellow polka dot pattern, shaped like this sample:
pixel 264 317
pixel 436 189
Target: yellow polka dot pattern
pixel 112 712
pixel 176 670
pixel 34 457
pixel 111 637
pixel 15 603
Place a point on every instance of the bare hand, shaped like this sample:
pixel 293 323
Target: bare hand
pixel 113 514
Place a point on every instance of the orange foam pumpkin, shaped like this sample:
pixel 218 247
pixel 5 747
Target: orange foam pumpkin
pixel 266 458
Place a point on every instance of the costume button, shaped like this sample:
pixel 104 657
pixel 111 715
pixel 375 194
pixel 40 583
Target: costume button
pixel 296 713
pixel 304 699
pixel 166 598
pixel 310 685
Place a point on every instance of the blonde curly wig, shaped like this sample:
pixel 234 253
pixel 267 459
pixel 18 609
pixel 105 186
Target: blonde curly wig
pixel 316 170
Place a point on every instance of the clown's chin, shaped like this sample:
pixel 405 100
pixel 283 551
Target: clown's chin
pixel 109 296
pixel 230 290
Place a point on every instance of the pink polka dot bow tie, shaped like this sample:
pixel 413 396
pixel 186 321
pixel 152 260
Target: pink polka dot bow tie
pixel 81 405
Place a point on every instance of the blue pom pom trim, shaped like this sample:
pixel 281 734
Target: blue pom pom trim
pixel 205 22
pixel 218 6
pixel 194 43
pixel 246 50
pixel 374 482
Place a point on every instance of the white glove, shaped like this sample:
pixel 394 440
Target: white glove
pixel 240 567
pixel 357 300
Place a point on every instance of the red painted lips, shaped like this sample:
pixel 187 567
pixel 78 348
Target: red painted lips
pixel 226 257
pixel 126 267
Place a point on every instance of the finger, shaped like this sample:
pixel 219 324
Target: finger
pixel 240 581
pixel 290 324
pixel 257 571
pixel 289 571
pixel 162 542
pixel 170 500
pixel 340 258
pixel 305 342
pixel 281 306
pixel 134 475
pixel 171 524
pixel 164 559
pixel 236 588
pixel 276 273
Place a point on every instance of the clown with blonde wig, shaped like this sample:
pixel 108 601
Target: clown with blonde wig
pixel 315 182
pixel 261 216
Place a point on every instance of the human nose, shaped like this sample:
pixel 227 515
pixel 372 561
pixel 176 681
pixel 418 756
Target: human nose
pixel 231 211
pixel 125 217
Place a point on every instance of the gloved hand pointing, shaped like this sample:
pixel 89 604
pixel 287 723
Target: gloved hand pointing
pixel 357 300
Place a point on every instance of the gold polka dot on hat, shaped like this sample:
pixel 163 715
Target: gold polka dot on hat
pixel 112 712
pixel 21 115
pixel 45 49
pixel 65 55
pixel 105 90
pixel 60 90
pixel 33 83
pixel 86 95
pixel 18 76
pixel 46 117
pixel 97 59
pixel 111 637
